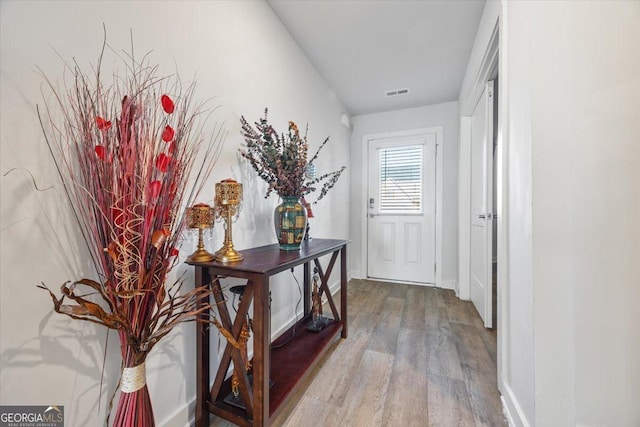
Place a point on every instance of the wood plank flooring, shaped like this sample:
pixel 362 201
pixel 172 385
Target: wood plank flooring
pixel 415 356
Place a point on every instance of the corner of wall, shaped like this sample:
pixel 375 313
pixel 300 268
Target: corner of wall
pixel 450 284
pixel 511 408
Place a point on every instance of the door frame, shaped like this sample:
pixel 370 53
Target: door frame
pixel 366 140
pixel 488 68
pixel 489 172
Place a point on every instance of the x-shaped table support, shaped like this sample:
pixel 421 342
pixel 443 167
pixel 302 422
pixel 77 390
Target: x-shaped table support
pixel 324 287
pixel 230 352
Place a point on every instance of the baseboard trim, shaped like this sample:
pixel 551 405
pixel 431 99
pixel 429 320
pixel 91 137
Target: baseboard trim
pixel 184 417
pixel 355 274
pixel 450 284
pixel 512 409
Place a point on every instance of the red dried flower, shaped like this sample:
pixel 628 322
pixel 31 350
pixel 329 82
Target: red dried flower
pixel 168 134
pixel 162 162
pixel 101 152
pixel 154 189
pixel 102 123
pixel 167 104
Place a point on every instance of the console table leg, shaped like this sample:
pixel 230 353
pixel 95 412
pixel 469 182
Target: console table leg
pixel 307 288
pixel 261 348
pixel 343 291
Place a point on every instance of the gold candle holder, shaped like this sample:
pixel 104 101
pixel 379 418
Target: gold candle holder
pixel 227 201
pixel 200 216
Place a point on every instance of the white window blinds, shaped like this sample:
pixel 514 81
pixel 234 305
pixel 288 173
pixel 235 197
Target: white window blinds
pixel 400 184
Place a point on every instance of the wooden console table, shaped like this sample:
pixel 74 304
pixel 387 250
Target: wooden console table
pixel 285 367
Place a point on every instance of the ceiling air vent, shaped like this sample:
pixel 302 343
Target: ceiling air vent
pixel 396 92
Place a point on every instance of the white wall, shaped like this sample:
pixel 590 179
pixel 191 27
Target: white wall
pixel 240 54
pixel 585 135
pixel 445 115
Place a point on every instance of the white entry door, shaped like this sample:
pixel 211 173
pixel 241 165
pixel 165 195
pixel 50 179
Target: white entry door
pixel 481 205
pixel 402 205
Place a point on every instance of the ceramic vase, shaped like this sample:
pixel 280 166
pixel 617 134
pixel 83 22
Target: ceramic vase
pixel 290 221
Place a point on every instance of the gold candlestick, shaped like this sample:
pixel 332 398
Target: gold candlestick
pixel 228 201
pixel 200 216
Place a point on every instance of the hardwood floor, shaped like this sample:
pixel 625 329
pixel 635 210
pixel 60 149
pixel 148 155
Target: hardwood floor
pixel 415 356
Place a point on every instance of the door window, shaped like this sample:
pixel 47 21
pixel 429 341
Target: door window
pixel 400 180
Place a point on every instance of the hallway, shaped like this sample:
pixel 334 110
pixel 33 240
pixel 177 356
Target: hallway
pixel 415 356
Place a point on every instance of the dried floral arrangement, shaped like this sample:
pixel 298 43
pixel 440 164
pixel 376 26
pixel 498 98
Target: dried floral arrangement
pixel 131 155
pixel 281 160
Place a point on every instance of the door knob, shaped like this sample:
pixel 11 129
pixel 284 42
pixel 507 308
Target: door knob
pixel 481 216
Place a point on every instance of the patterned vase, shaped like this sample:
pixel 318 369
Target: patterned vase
pixel 290 221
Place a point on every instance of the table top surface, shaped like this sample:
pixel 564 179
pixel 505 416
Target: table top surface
pixel 270 259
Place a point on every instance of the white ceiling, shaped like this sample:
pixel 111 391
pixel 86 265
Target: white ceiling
pixel 364 48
